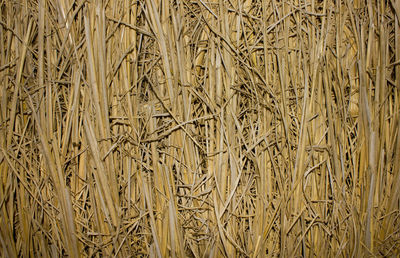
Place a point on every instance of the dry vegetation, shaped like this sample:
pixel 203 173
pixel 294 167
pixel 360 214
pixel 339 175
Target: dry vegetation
pixel 199 128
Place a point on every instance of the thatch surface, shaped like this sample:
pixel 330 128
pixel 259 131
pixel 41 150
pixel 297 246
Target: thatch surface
pixel 199 128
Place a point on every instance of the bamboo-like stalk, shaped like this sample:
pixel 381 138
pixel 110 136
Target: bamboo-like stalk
pixel 199 128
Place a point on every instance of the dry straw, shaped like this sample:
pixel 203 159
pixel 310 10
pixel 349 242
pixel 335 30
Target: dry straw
pixel 204 128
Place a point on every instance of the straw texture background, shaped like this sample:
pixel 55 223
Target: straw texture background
pixel 203 128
